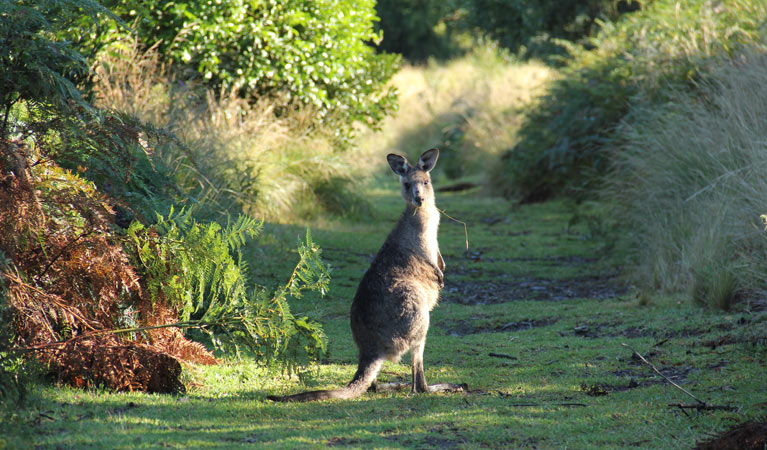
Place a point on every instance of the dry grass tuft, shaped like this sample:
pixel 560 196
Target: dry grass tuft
pixel 270 160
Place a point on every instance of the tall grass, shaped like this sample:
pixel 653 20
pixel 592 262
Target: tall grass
pixel 469 107
pixel 564 141
pixel 690 184
pixel 266 159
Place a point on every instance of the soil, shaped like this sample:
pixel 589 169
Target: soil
pixel 531 288
pixel 463 328
pixel 746 436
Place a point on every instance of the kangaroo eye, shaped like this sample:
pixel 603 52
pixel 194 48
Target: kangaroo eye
pixel 425 183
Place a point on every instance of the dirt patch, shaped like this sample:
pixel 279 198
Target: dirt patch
pixel 607 329
pixel 552 260
pixel 490 292
pixel 746 436
pixel 341 442
pixel 692 332
pixel 463 328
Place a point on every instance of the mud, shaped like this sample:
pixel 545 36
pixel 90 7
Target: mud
pixel 530 288
pixel 746 436
pixel 463 327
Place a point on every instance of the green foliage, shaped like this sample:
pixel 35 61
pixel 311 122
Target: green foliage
pixel 667 43
pixel 44 89
pixel 312 52
pixel 534 27
pixel 418 29
pixel 35 65
pixel 198 269
pixel 423 29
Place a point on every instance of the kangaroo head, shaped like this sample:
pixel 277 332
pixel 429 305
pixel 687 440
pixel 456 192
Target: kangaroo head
pixel 415 181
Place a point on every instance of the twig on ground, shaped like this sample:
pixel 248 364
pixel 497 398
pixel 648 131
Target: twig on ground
pixel 583 405
pixel 700 406
pixel 501 355
pixel 703 406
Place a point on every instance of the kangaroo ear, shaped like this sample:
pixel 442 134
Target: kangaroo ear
pixel 398 164
pixel 429 158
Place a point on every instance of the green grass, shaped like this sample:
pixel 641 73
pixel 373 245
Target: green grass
pixel 536 274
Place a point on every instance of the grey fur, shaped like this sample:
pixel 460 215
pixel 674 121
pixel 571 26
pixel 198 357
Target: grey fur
pixel 390 311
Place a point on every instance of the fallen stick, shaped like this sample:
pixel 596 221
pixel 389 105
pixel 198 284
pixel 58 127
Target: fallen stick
pixel 501 355
pixel 548 404
pixel 505 395
pixel 701 405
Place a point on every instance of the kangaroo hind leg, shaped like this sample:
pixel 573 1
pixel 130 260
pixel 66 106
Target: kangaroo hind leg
pixel 419 379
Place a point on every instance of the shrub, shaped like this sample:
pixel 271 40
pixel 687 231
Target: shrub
pixel 689 187
pixel 562 143
pixel 314 52
pixel 197 271
pixel 35 66
pixel 67 281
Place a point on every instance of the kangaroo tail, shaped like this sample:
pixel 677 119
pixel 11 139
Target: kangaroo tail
pixel 367 371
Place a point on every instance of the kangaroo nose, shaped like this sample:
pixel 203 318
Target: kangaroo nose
pixel 419 200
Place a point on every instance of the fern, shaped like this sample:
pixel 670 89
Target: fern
pixel 199 270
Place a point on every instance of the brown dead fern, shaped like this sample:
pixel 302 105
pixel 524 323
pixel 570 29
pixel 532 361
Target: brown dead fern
pixel 69 280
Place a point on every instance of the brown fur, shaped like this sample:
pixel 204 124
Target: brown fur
pixel 390 311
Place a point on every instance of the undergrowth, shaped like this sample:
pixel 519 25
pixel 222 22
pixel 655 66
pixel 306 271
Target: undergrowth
pixel 197 269
pixel 258 156
pixel 96 304
pixel 689 187
pixel 563 142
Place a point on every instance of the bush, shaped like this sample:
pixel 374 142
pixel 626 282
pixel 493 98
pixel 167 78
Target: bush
pixel 689 187
pixel 197 271
pixel 67 281
pixel 313 52
pixel 35 66
pixel 667 43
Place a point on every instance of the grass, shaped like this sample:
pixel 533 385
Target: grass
pixel 689 187
pixel 532 287
pixel 565 140
pixel 469 107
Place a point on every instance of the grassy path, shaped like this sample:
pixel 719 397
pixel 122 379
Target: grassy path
pixel 531 288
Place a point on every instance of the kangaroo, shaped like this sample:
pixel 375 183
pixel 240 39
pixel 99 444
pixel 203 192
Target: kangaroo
pixel 390 311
